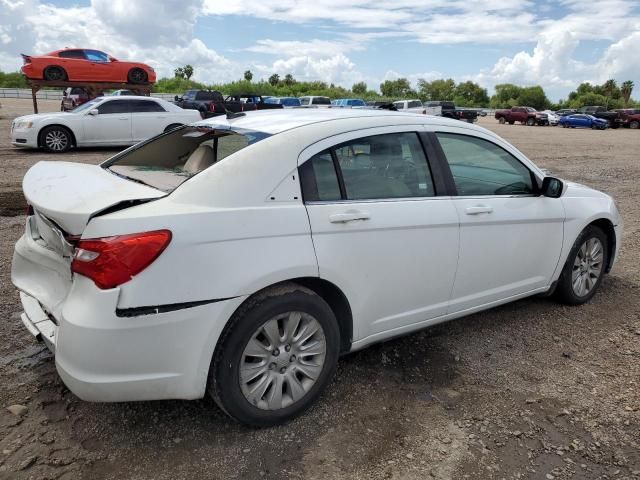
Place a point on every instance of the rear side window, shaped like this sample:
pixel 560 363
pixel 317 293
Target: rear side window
pixel 79 54
pixel 376 167
pixel 141 106
pixel 319 178
pixel 480 167
pixel 321 101
pixel 114 107
pixel 415 104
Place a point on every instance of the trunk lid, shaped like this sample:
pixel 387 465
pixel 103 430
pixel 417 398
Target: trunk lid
pixel 69 194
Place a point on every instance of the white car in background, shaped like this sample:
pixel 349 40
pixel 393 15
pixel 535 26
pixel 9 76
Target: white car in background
pixel 238 257
pixel 552 117
pixel 411 106
pixel 104 121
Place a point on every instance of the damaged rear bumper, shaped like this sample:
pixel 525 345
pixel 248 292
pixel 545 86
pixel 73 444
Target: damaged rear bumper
pixel 36 320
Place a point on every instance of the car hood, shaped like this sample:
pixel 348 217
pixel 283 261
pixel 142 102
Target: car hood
pixel 38 117
pixel 578 190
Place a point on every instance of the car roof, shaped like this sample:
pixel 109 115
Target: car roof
pixel 277 121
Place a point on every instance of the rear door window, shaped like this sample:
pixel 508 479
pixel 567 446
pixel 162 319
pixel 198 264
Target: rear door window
pixel 77 54
pixel 375 167
pixel 144 106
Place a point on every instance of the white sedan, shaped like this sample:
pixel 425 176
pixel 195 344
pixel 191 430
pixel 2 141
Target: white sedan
pixel 238 258
pixel 104 121
pixel 552 117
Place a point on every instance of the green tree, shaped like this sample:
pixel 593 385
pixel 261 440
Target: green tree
pixel 187 70
pixel 533 97
pixel 179 73
pixel 289 80
pixel 274 79
pixel 625 90
pixel 248 76
pixel 506 95
pixel 397 88
pixel 440 89
pixel 12 80
pixel 359 88
pixel 470 94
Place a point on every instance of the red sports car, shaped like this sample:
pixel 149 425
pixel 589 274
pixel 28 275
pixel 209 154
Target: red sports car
pixel 77 65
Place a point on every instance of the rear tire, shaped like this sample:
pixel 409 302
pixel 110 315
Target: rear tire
pixel 137 76
pixel 584 268
pixel 280 386
pixel 635 124
pixel 54 74
pixel 55 139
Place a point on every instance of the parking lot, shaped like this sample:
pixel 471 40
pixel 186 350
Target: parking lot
pixel 530 390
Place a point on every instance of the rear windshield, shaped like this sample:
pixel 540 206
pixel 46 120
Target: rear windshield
pixel 165 162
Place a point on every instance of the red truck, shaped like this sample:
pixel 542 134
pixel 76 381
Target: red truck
pixel 524 115
pixel 629 117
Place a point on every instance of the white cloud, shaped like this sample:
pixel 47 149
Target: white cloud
pixel 162 33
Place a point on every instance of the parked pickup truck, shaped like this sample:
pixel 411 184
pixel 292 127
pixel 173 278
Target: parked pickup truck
pixel 211 102
pixel 599 111
pixel 238 103
pixel 449 110
pixel 629 117
pixel 525 115
pixel 196 99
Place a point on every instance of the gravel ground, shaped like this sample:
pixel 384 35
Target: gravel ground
pixel 530 390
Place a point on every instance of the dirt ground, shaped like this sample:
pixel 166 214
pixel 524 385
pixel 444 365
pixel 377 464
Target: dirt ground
pixel 530 390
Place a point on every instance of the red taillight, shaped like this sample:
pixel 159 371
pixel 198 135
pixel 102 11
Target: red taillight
pixel 112 261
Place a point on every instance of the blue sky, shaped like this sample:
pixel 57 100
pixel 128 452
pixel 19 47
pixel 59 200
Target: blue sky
pixel 556 44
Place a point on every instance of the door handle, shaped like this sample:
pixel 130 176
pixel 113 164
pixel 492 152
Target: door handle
pixel 478 209
pixel 349 216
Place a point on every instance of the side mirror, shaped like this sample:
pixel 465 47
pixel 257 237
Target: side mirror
pixel 93 112
pixel 111 59
pixel 552 187
pixel 176 98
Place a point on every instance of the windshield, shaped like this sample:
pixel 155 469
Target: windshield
pixel 87 106
pixel 170 159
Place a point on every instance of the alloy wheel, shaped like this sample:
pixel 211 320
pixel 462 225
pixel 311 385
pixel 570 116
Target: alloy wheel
pixel 587 267
pixel 56 140
pixel 282 360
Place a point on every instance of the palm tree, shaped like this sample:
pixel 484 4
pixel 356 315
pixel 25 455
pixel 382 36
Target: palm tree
pixel 626 89
pixel 609 87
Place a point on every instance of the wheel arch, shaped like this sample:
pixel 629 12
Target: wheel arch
pixel 73 135
pixel 606 226
pixel 326 290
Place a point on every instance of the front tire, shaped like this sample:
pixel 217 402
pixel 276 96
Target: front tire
pixel 635 124
pixel 276 356
pixel 501 120
pixel 584 268
pixel 531 122
pixel 55 139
